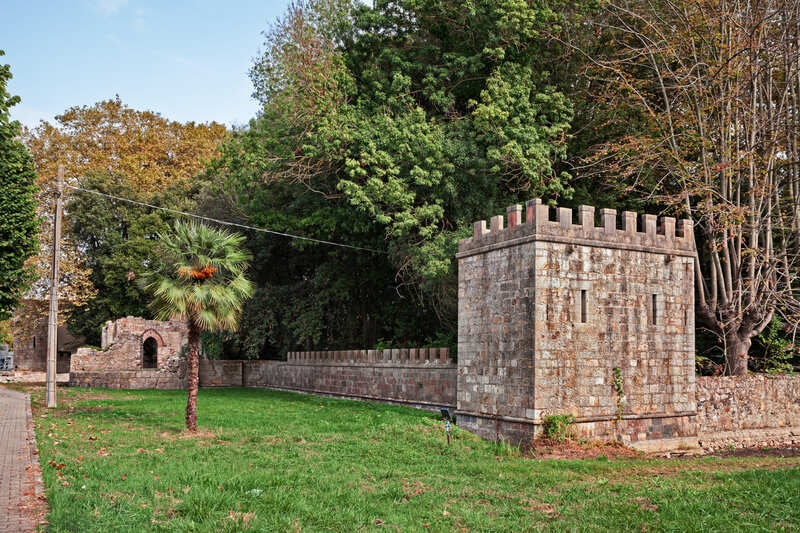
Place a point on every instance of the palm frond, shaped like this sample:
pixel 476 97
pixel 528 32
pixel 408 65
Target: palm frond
pixel 214 303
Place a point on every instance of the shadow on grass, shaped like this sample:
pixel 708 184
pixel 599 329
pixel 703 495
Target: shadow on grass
pixel 250 405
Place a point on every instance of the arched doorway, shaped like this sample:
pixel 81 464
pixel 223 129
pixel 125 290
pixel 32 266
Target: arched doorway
pixel 150 353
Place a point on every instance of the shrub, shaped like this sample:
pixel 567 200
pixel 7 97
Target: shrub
pixel 557 427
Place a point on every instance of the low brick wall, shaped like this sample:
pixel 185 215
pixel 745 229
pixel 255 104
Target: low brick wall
pixel 423 378
pixel 119 367
pixel 752 410
pixel 128 379
pixel 221 373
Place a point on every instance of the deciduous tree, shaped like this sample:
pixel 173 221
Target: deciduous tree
pixel 145 154
pixel 149 150
pixel 18 222
pixel 397 125
pixel 716 86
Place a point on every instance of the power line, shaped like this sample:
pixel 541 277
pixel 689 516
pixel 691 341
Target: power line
pixel 225 222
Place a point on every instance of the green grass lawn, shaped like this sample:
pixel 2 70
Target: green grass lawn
pixel 277 461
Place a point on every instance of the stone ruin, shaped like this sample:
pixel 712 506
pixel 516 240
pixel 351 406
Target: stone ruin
pixel 30 331
pixel 565 317
pixel 134 353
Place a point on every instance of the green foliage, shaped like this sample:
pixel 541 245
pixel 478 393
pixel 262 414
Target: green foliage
pixel 214 342
pixel 557 427
pixel 6 336
pixel 503 448
pixel 201 276
pixel 119 241
pixel 18 222
pixel 773 350
pixel 618 387
pixel 391 127
pixel 383 344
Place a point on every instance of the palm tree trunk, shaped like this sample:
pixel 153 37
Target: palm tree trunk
pixel 192 379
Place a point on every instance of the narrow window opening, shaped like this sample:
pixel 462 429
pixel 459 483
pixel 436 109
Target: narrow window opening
pixel 150 353
pixel 653 310
pixel 34 341
pixel 583 306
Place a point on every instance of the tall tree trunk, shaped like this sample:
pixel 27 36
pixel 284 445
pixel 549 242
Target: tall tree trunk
pixel 192 378
pixel 736 349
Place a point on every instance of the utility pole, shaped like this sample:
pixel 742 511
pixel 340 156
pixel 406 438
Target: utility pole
pixel 52 326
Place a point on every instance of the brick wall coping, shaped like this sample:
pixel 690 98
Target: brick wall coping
pixel 393 355
pixel 414 365
pixel 660 233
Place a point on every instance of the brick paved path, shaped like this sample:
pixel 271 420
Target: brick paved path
pixel 19 466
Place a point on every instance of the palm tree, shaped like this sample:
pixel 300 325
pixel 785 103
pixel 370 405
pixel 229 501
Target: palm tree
pixel 201 279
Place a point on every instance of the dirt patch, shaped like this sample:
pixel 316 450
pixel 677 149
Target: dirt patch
pixel 412 489
pixel 93 409
pixel 784 451
pixel 645 504
pixel 93 397
pixel 534 506
pixel 570 449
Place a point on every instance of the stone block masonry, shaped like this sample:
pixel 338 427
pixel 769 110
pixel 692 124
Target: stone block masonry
pixel 752 410
pixel 423 377
pixel 136 354
pixel 559 317
pixel 30 345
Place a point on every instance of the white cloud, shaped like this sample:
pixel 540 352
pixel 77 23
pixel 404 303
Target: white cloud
pixel 109 7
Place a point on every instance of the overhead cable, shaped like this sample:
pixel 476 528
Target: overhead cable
pixel 226 223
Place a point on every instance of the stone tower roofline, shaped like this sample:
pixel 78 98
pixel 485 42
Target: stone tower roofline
pixel 659 235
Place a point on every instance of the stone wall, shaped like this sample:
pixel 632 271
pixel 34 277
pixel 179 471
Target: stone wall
pixel 418 377
pixel 130 379
pixel 172 334
pixel 120 363
pixel 30 341
pixel 424 377
pixel 548 309
pixel 221 373
pixel 752 410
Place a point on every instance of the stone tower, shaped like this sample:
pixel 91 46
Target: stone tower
pixel 558 317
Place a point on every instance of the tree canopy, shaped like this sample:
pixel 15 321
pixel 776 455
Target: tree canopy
pixel 111 148
pixel 18 223
pixel 393 127
pixel 715 87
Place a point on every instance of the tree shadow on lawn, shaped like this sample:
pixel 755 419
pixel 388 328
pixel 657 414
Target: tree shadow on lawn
pixel 247 412
pixel 238 409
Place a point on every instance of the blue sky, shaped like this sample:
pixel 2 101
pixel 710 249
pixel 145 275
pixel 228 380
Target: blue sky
pixel 187 60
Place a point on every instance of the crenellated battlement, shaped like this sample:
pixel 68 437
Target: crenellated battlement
pixel 542 222
pixel 422 356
